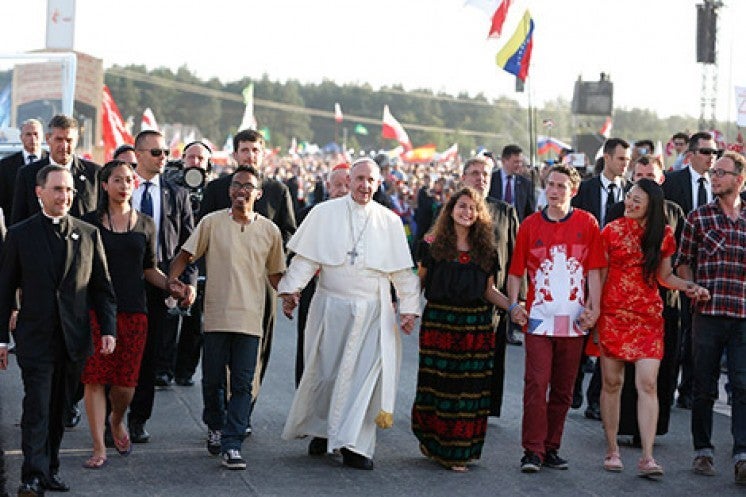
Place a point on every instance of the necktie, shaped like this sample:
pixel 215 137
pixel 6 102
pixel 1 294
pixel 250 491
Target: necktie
pixel 610 199
pixel 701 193
pixel 509 190
pixel 146 203
pixel 31 158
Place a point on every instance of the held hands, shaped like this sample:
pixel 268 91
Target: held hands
pixel 518 314
pixel 184 293
pixel 108 343
pixel 588 318
pixel 696 293
pixel 289 303
pixel 407 323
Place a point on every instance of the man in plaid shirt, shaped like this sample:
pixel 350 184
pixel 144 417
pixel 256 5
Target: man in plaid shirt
pixel 713 254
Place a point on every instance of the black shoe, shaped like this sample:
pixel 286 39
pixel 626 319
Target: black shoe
pixel 317 447
pixel 138 433
pixel 554 461
pixel 31 488
pixel 162 380
pixel 55 484
pixel 72 417
pixel 593 412
pixel 355 460
pixel 512 338
pixel 530 462
pixel 684 402
pixel 577 399
pixel 213 441
pixel 184 382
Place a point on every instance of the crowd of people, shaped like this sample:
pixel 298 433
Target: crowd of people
pixel 116 280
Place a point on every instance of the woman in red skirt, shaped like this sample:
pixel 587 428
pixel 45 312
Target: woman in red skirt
pixel 129 242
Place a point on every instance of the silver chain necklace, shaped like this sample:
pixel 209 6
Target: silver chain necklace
pixel 353 253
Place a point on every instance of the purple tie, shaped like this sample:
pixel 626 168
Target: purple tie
pixel 509 190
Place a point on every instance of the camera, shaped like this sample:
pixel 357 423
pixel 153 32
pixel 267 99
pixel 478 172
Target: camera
pixel 192 178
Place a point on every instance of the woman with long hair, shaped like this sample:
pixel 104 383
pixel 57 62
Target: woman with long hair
pixel 457 338
pixel 639 248
pixel 129 242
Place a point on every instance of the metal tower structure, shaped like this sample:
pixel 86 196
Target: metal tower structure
pixel 707 54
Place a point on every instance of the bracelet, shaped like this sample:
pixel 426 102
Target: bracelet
pixel 512 306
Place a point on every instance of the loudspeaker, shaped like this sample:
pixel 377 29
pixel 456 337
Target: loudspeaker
pixel 706 33
pixel 595 98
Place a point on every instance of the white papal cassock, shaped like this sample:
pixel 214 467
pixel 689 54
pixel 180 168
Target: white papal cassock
pixel 352 347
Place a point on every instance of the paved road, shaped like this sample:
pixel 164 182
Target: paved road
pixel 176 464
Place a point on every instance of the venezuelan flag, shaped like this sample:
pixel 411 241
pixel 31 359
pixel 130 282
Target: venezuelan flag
pixel 515 56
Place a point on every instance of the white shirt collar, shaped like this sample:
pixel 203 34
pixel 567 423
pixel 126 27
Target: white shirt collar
pixel 155 181
pixel 67 166
pixel 696 175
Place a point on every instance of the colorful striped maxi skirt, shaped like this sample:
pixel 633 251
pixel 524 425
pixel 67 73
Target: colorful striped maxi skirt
pixel 449 416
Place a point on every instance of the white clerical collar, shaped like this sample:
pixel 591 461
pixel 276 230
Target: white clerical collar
pixel 54 219
pixel 67 166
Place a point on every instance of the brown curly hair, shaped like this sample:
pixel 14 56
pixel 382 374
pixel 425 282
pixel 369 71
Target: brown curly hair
pixel 481 236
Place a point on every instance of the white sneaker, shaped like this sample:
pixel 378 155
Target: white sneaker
pixel 232 459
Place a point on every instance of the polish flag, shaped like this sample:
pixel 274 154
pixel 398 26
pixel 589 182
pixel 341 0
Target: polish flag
pixel 605 130
pixel 393 130
pixel 498 12
pixel 338 117
pixel 148 121
pixel 448 154
pixel 114 130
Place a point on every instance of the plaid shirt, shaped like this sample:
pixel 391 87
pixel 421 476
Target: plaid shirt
pixel 714 246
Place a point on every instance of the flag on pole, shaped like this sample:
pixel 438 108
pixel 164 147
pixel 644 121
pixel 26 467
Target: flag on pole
pixel 448 154
pixel 248 121
pixel 605 130
pixel 497 10
pixel 338 117
pixel 393 130
pixel 114 131
pixel 546 144
pixel 515 56
pixel 425 153
pixel 148 121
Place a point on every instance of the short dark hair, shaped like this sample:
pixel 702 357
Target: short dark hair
pixel 509 150
pixel 569 171
pixel 646 143
pixel 44 172
pixel 694 139
pixel 681 136
pixel 142 135
pixel 61 121
pixel 122 149
pixel 247 135
pixel 247 169
pixel 612 143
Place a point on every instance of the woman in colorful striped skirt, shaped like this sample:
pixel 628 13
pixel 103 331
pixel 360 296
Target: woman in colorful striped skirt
pixel 457 339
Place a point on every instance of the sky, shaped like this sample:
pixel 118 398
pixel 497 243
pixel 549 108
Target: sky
pixel 646 46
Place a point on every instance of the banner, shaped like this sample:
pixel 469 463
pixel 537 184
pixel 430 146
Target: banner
pixel 741 106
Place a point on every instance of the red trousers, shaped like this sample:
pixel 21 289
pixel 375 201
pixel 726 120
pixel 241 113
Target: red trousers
pixel 551 365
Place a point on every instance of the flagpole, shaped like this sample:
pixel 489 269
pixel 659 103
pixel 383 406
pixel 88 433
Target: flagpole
pixel 531 130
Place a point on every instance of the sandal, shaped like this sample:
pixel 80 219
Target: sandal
pixel 648 467
pixel 612 462
pixel 95 462
pixel 123 445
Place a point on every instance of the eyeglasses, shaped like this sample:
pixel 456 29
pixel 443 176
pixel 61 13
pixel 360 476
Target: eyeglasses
pixel 243 186
pixel 709 151
pixel 157 152
pixel 720 173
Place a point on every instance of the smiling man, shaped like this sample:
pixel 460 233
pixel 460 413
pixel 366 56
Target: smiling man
pixel 352 349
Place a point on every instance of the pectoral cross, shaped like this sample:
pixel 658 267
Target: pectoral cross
pixel 353 254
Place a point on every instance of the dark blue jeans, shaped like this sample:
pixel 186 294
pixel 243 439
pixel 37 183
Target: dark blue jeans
pixel 710 336
pixel 237 352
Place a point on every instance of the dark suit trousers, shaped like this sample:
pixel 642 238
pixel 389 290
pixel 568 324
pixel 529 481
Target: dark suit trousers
pixel 190 337
pixel 49 386
pixel 159 320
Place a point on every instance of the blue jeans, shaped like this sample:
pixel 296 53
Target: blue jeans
pixel 710 336
pixel 238 352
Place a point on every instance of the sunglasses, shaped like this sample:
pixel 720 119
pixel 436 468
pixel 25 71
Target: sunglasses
pixel 709 151
pixel 720 173
pixel 157 152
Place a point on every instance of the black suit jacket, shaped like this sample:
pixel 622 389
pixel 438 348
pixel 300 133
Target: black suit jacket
pixel 678 188
pixel 524 199
pixel 85 284
pixel 588 197
pixel 85 181
pixel 274 204
pixel 177 223
pixel 9 167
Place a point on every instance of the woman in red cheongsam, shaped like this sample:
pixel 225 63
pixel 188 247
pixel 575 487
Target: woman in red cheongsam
pixel 639 248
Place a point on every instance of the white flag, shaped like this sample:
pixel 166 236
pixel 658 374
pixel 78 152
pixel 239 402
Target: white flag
pixel 148 121
pixel 248 121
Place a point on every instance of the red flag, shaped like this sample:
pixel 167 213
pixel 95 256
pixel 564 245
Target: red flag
pixel 605 130
pixel 148 120
pixel 393 130
pixel 114 131
pixel 498 19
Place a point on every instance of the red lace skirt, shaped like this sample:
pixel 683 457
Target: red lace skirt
pixel 122 367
